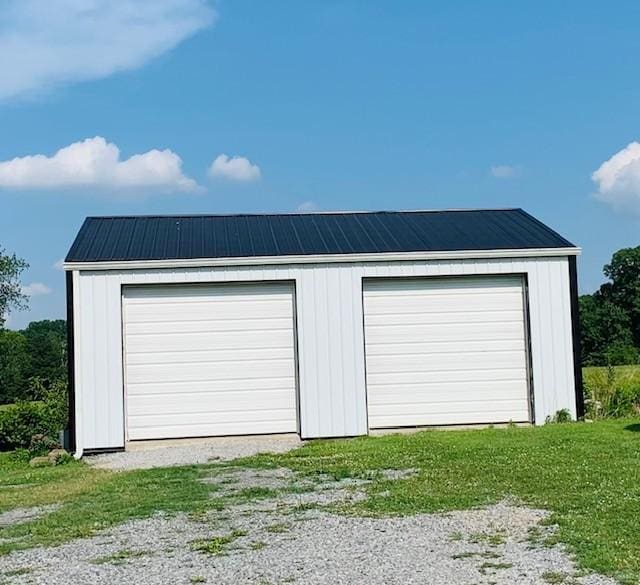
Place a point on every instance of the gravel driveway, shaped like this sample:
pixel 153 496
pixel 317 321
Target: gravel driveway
pixel 146 454
pixel 294 537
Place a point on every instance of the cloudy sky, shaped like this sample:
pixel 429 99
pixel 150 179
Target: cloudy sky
pixel 194 106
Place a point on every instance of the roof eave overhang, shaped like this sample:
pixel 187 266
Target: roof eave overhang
pixel 322 259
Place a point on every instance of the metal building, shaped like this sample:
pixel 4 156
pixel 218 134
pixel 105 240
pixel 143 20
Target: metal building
pixel 323 324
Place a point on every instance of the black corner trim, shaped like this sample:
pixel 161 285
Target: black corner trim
pixel 71 425
pixel 575 330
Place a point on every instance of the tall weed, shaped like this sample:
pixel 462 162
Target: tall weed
pixel 612 392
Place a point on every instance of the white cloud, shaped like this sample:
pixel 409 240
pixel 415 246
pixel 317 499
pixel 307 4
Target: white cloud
pixel 59 264
pixel 36 289
pixel 235 168
pixel 307 206
pixel 48 44
pixel 506 171
pixel 94 162
pixel 618 179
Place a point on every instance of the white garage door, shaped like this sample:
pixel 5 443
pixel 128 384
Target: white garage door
pixel 205 360
pixel 443 351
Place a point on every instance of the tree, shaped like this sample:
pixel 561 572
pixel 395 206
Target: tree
pixel 11 295
pixel 606 332
pixel 47 348
pixel 610 318
pixel 14 359
pixel 624 288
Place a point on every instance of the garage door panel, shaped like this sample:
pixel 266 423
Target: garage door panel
pixel 410 363
pixel 455 391
pixel 461 374
pixel 451 406
pixel 508 316
pixel 179 300
pixel 228 370
pixel 383 347
pixel 208 417
pixel 445 351
pixel 205 360
pixel 187 403
pixel 190 429
pixel 215 355
pixel 208 326
pixel 255 384
pixel 440 332
pixel 448 418
pixel 477 284
pixel 199 341
pixel 399 304
pixel 172 312
pixel 142 293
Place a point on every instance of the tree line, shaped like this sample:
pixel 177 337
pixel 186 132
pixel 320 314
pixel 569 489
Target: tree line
pixel 610 317
pixel 36 353
pixel 37 356
pixel 34 359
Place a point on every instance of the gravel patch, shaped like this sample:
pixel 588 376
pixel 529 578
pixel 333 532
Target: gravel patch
pixel 229 480
pixel 312 548
pixel 321 490
pixel 276 540
pixel 191 452
pixel 20 515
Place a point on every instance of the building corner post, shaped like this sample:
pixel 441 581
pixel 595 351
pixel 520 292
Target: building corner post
pixel 575 331
pixel 70 434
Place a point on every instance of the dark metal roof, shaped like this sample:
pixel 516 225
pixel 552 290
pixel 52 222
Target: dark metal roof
pixel 232 236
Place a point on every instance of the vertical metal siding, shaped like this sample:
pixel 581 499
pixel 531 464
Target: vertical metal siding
pixel 330 337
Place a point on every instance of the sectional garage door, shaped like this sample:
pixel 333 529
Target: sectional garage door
pixel 205 360
pixel 444 351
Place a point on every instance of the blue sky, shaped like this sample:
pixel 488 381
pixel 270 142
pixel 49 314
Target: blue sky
pixel 325 105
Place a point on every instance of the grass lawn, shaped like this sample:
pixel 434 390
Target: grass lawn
pixel 624 374
pixel 588 475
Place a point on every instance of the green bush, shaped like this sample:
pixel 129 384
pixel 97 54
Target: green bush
pixel 561 416
pixel 55 399
pixel 21 422
pixel 42 444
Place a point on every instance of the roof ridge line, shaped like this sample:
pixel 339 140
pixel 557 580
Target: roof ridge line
pixel 305 213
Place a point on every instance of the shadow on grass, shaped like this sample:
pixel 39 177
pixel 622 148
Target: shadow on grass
pixel 634 428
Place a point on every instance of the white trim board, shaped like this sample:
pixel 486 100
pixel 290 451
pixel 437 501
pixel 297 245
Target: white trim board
pixel 322 259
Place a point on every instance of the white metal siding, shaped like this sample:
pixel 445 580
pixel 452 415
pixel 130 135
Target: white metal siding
pixel 445 351
pixel 330 336
pixel 206 360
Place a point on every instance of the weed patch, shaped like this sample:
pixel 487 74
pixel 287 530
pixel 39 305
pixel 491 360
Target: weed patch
pixel 217 545
pixel 119 557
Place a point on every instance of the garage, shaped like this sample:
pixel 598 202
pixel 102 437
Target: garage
pixel 203 360
pixel 446 351
pixel 320 324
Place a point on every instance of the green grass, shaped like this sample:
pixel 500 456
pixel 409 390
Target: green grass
pixel 554 577
pixel 624 374
pixel 587 475
pixel 93 499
